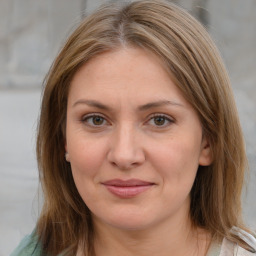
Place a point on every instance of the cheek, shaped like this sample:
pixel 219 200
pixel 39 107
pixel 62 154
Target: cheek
pixel 177 161
pixel 86 157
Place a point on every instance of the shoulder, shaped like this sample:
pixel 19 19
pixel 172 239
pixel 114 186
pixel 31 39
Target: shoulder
pixel 229 248
pixel 29 246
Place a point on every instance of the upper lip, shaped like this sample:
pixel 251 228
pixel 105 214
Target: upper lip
pixel 127 183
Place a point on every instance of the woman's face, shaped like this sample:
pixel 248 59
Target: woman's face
pixel 134 143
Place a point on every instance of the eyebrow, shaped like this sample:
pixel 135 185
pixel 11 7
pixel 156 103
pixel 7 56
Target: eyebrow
pixel 155 104
pixel 159 104
pixel 92 103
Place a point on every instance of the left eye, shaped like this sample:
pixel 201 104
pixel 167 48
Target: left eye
pixel 94 120
pixel 160 120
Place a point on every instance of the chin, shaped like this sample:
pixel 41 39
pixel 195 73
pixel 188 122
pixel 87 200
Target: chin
pixel 129 221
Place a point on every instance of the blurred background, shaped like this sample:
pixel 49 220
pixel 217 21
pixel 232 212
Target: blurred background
pixel 32 32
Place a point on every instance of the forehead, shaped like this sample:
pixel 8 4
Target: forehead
pixel 126 73
pixel 132 61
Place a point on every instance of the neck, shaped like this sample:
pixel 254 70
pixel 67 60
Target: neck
pixel 178 238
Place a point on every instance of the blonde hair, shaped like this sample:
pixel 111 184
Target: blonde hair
pixel 197 69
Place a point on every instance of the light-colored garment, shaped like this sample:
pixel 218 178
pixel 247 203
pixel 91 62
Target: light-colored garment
pixel 214 249
pixel 229 248
pixel 30 246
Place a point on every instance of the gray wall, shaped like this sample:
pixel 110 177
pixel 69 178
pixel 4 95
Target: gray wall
pixel 31 33
pixel 233 26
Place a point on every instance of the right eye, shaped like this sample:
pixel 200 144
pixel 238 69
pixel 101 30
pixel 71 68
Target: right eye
pixel 94 120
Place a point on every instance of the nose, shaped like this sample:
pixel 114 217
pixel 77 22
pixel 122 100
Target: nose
pixel 126 151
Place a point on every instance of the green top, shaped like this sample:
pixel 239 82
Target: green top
pixel 29 246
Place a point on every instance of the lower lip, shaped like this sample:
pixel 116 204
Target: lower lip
pixel 127 192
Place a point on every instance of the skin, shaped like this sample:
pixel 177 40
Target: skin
pixel 161 143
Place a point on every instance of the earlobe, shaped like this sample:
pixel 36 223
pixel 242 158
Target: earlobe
pixel 205 158
pixel 67 157
pixel 66 153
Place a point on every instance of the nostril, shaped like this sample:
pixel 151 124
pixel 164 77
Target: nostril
pixel 126 161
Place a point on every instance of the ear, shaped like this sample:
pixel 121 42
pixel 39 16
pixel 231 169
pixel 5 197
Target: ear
pixel 205 157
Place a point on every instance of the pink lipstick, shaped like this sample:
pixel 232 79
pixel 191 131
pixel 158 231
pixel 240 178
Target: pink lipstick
pixel 127 188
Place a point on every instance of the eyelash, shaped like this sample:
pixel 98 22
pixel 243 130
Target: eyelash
pixel 165 118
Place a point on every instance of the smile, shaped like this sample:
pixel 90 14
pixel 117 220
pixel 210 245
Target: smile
pixel 127 188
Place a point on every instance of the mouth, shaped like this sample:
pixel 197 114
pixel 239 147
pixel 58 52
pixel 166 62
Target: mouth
pixel 127 188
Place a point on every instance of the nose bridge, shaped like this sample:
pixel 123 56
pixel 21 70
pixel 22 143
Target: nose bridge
pixel 125 148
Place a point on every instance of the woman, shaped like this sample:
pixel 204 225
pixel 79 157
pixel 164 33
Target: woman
pixel 139 147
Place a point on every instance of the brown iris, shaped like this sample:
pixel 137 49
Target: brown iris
pixel 97 120
pixel 159 120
